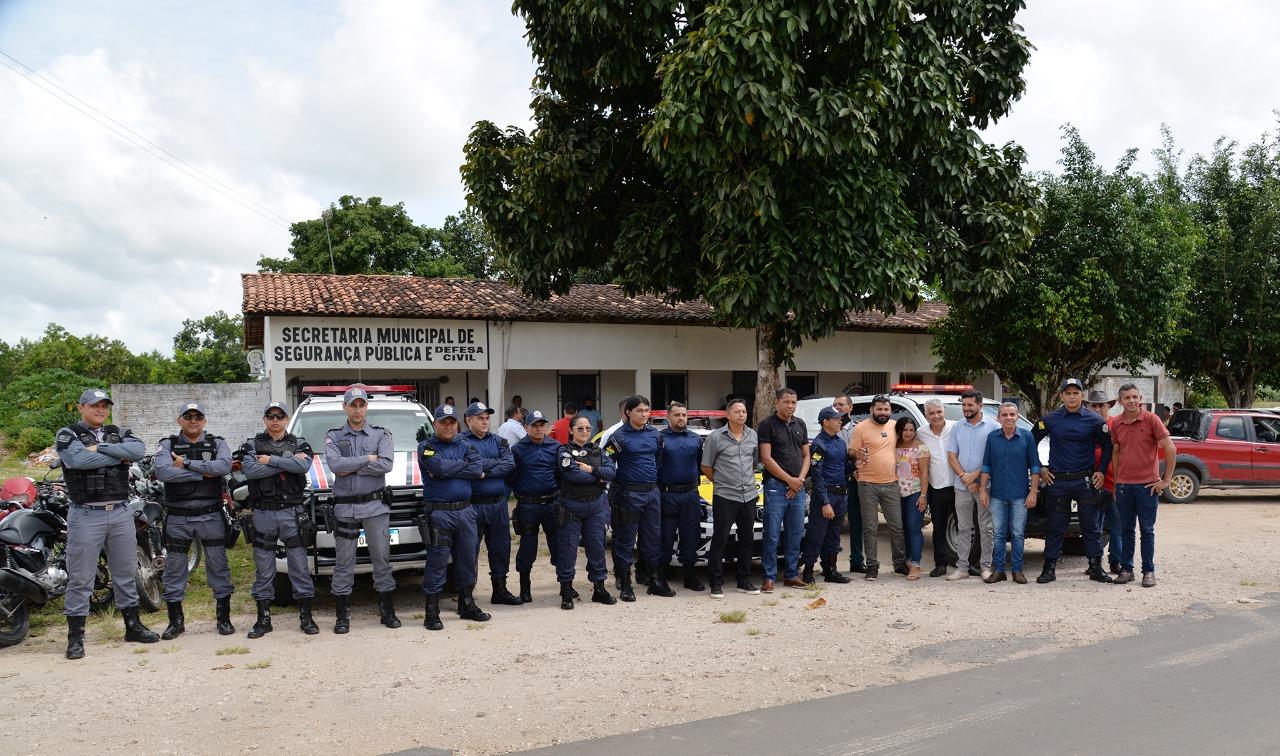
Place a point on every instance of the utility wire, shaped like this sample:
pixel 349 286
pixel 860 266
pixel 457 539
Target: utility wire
pixel 137 140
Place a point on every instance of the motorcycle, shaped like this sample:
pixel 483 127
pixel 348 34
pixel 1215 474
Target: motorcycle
pixel 33 544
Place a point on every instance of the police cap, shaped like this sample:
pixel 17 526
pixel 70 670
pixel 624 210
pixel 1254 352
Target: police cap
pixel 93 396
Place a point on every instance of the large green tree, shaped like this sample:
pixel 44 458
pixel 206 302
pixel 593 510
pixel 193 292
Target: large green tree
pixel 97 357
pixel 211 350
pixel 788 161
pixel 1231 335
pixel 1104 282
pixel 353 236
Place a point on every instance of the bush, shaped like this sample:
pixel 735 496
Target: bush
pixel 42 401
pixel 32 440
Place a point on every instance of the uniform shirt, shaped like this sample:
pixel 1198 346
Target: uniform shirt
pixel 733 463
pixel 1138 459
pixel 1073 436
pixel 1010 461
pixel 76 456
pixel 940 473
pixel 535 473
pixel 828 455
pixel 496 463
pixel 512 430
pixel 448 467
pixel 969 443
pixel 787 440
pixel 195 470
pixel 290 465
pixel 880 441
pixel 635 452
pixel 347 450
pixel 571 454
pixel 679 456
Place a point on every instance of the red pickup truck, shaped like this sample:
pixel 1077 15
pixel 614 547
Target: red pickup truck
pixel 1223 448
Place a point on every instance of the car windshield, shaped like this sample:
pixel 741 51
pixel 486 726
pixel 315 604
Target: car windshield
pixel 403 424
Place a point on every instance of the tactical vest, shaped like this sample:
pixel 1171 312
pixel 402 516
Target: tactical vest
pixel 100 484
pixel 585 491
pixel 205 489
pixel 283 487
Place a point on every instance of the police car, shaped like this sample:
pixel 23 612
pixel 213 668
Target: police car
pixel 909 400
pixel 396 409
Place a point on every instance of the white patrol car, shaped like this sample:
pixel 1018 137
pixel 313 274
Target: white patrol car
pixel 391 407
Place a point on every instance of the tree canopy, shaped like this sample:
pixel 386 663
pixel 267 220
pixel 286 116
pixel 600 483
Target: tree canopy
pixel 211 350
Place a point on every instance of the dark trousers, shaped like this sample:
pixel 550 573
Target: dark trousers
pixel 681 516
pixel 528 519
pixel 942 507
pixel 638 516
pixel 1058 498
pixel 726 513
pixel 584 522
pixel 822 536
pixel 455 537
pixel 856 559
pixel 493 526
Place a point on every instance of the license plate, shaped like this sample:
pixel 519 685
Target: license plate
pixel 1075 507
pixel 393 536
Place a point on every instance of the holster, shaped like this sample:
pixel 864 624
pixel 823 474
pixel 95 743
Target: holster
pixel 325 514
pixel 306 526
pixel 562 514
pixel 388 495
pixel 231 526
pixel 426 531
pixel 246 526
pixel 516 527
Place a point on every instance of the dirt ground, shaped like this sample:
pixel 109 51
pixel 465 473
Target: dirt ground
pixel 536 675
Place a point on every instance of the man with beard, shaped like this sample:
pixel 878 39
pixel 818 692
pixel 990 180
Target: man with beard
pixel 873 446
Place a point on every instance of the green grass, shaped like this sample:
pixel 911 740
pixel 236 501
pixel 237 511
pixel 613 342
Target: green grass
pixel 141 650
pixel 733 617
pixel 258 664
pixel 770 602
pixel 230 650
pixel 475 626
pixel 753 631
pixel 172 649
pixel 1248 583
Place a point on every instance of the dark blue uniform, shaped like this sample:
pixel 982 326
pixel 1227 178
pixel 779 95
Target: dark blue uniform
pixel 536 486
pixel 637 513
pixel 830 476
pixel 447 471
pixel 678 477
pixel 586 510
pixel 1073 438
pixel 489 500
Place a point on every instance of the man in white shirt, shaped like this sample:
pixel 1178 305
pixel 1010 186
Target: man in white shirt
pixel 942 497
pixel 513 428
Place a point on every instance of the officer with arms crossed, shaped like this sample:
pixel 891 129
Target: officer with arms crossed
pixel 448 525
pixel 584 471
pixel 360 455
pixel 830 498
pixel 536 487
pixel 95 465
pixel 192 465
pixel 489 499
pixel 275 463
pixel 679 452
pixel 637 512
pixel 1074 432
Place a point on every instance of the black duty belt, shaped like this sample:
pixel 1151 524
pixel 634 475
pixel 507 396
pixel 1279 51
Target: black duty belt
pixel 479 501
pixel 678 488
pixel 581 494
pixel 447 506
pixel 837 489
pixel 536 499
pixel 103 507
pixel 193 511
pixel 1077 475
pixel 272 506
pixel 636 487
pixel 360 498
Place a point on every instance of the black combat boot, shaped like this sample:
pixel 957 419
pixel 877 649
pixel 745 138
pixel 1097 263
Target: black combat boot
pixel 658 583
pixel 526 588
pixel 134 630
pixel 1096 573
pixel 387 610
pixel 601 595
pixel 263 625
pixel 224 616
pixel 305 622
pixel 432 621
pixel 691 580
pixel 75 637
pixel 177 622
pixel 501 596
pixel 342 615
pixel 624 586
pixel 467 607
pixel 642 572
pixel 566 595
pixel 1049 573
pixel 830 574
pixel 807 574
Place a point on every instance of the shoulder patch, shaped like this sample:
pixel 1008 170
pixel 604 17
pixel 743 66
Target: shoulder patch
pixel 565 461
pixel 427 451
pixel 1040 425
pixel 64 439
pixel 1106 428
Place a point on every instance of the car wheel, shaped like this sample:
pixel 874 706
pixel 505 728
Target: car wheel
pixel 1184 487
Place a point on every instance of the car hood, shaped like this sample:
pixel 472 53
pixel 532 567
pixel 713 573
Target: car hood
pixel 404 473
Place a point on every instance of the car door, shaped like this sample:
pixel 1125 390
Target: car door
pixel 1230 444
pixel 1266 448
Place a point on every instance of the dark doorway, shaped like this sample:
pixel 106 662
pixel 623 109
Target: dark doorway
pixel 667 388
pixel 577 388
pixel 804 384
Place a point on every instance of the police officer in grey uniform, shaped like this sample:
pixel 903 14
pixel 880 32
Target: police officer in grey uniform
pixel 275 462
pixel 360 455
pixel 95 461
pixel 193 466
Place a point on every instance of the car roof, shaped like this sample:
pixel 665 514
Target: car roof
pixel 692 413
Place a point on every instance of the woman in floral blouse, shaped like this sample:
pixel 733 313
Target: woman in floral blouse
pixel 913 483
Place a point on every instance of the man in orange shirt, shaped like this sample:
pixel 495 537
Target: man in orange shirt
pixel 873 445
pixel 1138 435
pixel 560 430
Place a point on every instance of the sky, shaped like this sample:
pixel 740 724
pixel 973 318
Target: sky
pixel 265 113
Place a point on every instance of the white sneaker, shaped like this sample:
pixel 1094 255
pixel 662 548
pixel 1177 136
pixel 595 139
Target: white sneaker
pixel 986 574
pixel 958 574
pixel 717 592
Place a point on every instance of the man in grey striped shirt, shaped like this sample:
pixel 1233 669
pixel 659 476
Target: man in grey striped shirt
pixel 729 459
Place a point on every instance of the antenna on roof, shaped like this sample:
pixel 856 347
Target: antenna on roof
pixel 332 266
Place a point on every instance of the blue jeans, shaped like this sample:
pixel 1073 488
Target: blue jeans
pixel 1136 502
pixel 1109 521
pixel 912 522
pixel 782 514
pixel 1009 522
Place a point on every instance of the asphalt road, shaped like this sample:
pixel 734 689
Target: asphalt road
pixel 1207 682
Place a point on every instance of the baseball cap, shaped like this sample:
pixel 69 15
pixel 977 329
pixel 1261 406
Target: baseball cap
pixel 355 392
pixel 829 413
pixel 446 411
pixel 93 396
pixel 535 416
pixel 1071 383
pixel 277 406
pixel 190 407
pixel 478 408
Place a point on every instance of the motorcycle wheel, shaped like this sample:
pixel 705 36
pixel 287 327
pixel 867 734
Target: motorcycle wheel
pixel 102 595
pixel 194 556
pixel 14 620
pixel 148 580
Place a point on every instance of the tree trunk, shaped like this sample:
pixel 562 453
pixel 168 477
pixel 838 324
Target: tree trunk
pixel 768 381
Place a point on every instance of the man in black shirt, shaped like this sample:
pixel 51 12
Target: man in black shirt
pixel 784 452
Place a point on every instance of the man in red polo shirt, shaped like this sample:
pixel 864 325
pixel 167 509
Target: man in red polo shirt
pixel 560 429
pixel 1138 436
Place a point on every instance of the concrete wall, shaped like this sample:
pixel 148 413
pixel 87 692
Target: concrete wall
pixel 234 409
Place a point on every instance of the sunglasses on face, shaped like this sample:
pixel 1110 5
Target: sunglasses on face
pixel 274 416
pixel 192 416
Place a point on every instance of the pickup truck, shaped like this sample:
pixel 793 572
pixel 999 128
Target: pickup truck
pixel 1223 448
